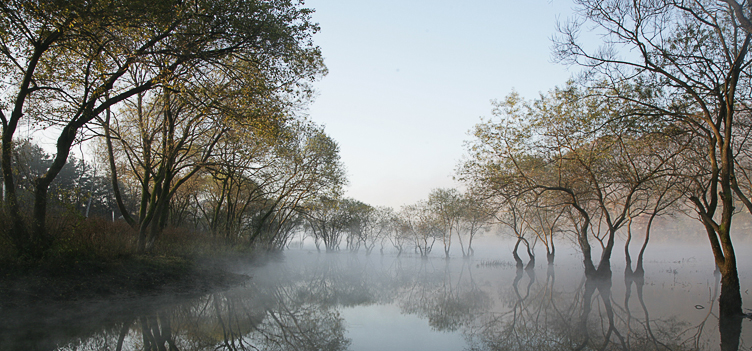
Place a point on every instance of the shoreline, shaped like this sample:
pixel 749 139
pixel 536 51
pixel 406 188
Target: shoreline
pixel 121 278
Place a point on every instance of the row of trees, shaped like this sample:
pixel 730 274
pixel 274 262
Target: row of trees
pixel 77 188
pixel 171 87
pixel 446 214
pixel 659 123
pixel 247 188
pixel 241 195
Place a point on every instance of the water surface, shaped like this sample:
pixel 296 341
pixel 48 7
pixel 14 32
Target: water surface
pixel 306 300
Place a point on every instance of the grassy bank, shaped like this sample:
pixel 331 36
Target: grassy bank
pixel 95 258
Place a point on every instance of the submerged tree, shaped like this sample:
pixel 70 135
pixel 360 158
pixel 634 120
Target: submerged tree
pixel 475 216
pixel 690 60
pixel 446 205
pixel 573 148
pixel 421 225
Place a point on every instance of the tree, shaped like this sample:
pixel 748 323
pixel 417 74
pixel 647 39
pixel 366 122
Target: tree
pixel 81 52
pixel 445 204
pixel 259 183
pixel 367 225
pixel 234 193
pixel 359 220
pixel 421 225
pixel 513 214
pixel 303 167
pixel 384 226
pixel 546 221
pixel 690 59
pixel 475 216
pixel 401 235
pixel 578 148
pixel 327 220
pixel 30 34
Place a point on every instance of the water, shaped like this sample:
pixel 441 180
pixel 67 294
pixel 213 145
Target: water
pixel 307 300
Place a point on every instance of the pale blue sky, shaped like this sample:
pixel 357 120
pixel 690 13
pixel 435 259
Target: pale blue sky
pixel 408 80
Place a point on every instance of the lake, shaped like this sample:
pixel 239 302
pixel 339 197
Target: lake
pixel 310 300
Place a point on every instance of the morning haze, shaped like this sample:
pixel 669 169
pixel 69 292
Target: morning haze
pixel 274 175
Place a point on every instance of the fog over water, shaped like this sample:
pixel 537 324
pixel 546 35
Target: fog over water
pixel 309 300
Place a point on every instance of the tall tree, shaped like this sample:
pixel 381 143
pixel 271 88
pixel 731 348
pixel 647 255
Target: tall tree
pixel 97 43
pixel 165 144
pixel 30 35
pixel 691 59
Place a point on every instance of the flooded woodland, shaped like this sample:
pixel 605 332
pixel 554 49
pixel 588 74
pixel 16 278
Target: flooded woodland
pixel 303 299
pixel 141 139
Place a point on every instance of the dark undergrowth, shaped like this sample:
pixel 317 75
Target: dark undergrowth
pixel 95 258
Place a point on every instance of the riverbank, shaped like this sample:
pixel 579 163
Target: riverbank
pixel 124 277
pixel 46 306
pixel 94 258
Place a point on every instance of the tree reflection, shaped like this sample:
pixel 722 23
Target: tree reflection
pixel 296 304
pixel 287 324
pixel 276 320
pixel 449 300
pixel 279 316
pixel 545 317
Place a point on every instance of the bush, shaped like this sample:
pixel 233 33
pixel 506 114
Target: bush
pixel 178 241
pixel 7 249
pixel 98 240
pixel 77 238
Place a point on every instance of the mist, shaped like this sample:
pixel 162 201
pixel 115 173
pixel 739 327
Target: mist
pixel 305 299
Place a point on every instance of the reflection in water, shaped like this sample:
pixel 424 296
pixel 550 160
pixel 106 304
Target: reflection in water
pixel 295 304
pixel 447 299
pixel 584 319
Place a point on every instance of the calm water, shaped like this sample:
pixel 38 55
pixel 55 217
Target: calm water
pixel 307 300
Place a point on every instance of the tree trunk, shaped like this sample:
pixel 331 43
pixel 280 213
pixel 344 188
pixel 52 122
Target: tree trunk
pixel 530 255
pixel 730 301
pixel 639 270
pixel 517 259
pixel 628 267
pixel 40 240
pixel 604 265
pixel 731 331
pixel 465 254
pixel 550 257
pixel 113 171
pixel 19 233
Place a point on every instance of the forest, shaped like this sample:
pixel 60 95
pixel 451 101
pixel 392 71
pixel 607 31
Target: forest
pixel 191 115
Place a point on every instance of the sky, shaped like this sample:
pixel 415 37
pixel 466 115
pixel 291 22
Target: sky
pixel 409 79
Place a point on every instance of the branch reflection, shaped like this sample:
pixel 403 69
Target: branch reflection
pixel 297 304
